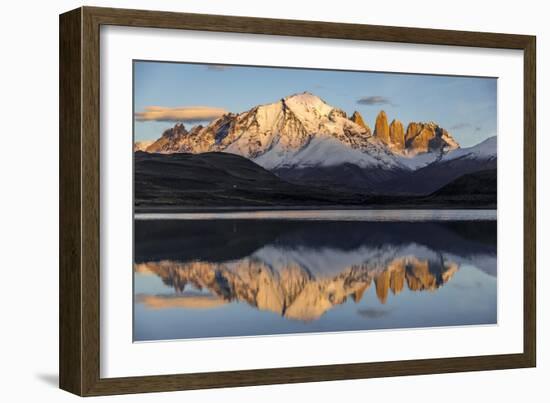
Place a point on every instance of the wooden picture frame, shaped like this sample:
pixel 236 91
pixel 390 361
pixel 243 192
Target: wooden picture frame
pixel 79 346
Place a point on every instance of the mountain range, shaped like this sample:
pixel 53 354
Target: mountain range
pixel 307 144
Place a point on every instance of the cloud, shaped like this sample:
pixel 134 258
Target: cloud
pixel 372 313
pixel 461 125
pixel 217 67
pixel 189 114
pixel 375 100
pixel 465 125
pixel 459 286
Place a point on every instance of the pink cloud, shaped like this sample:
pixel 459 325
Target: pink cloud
pixel 179 114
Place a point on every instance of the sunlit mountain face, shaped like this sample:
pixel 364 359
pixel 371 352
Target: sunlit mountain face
pixel 250 277
pixel 289 287
pixel 301 151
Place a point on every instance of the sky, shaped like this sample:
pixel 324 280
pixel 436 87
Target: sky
pixel 167 93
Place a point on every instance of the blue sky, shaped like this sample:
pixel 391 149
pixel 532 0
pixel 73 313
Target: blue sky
pixel 466 106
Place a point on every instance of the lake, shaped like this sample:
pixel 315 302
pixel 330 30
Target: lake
pixel 223 274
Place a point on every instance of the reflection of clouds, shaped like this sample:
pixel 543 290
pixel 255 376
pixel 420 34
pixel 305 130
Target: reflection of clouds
pixel 180 301
pixel 372 313
pixel 475 284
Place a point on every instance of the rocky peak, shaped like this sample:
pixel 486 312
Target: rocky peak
pixel 305 104
pixel 170 140
pixel 337 113
pixel 142 145
pixel 175 132
pixel 358 120
pixel 305 96
pixel 195 130
pixel 425 137
pixel 381 128
pixel 397 134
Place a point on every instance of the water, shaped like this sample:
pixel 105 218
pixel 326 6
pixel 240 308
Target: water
pixel 261 273
pixel 330 215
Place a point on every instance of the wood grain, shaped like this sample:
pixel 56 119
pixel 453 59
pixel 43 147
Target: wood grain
pixel 70 271
pixel 80 200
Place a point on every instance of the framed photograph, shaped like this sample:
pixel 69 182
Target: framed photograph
pixel 251 201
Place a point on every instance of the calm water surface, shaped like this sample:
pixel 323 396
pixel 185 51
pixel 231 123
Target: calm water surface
pixel 330 215
pixel 259 273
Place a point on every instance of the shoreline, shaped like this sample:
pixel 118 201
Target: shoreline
pixel 419 215
pixel 229 209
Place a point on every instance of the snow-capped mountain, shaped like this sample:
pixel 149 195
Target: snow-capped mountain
pixel 452 165
pixel 302 130
pixel 304 140
pixel 484 151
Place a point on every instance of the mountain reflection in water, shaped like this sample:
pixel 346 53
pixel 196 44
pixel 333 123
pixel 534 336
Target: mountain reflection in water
pixel 291 289
pixel 210 274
